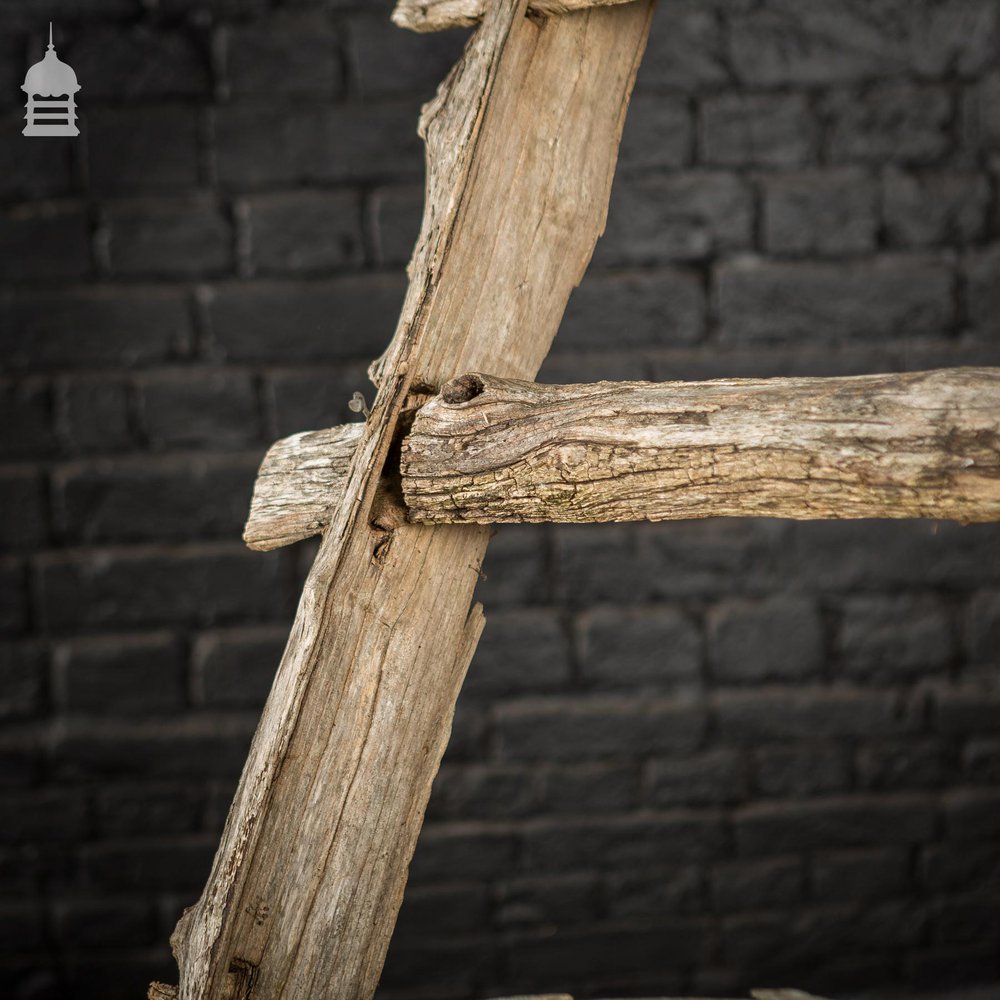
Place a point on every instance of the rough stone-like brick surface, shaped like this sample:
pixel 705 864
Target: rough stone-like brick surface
pixel 689 758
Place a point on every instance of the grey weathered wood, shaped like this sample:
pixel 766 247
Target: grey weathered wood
pixel 300 485
pixel 923 444
pixel 522 141
pixel 437 15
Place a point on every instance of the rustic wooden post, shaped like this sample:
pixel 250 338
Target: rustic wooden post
pixel 521 142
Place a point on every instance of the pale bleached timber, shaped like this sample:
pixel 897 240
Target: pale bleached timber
pixel 437 15
pixel 312 467
pixel 924 444
pixel 522 141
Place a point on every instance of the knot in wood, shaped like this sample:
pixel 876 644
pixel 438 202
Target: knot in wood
pixel 462 389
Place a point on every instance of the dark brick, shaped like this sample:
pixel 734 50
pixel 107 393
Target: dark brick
pixel 639 647
pixel 216 407
pixel 982 628
pixel 770 130
pixel 924 209
pixel 150 866
pixel 484 791
pixel 716 777
pixel 102 923
pixel 93 414
pixel 94 326
pixel 886 555
pixel 22 927
pixel 142 149
pixel 597 563
pixel 899 124
pixel 801 770
pixel 774 828
pixel 389 62
pixel 960 865
pixel 888 638
pixel 584 789
pixel 395 214
pixel 169 238
pixel 289 54
pixel 982 112
pixel 966 709
pixel 324 321
pixel 33 169
pixel 23 520
pixel 803 712
pixel 50 241
pixel 678 217
pixel 780 637
pixel 659 134
pixel 526 650
pixel 741 885
pixel 13 596
pixel 819 212
pixel 903 764
pixel 618 842
pixel 449 968
pixel 462 851
pixel 983 289
pixel 120 675
pixel 973 814
pixel 967 919
pixel 760 301
pixel 234 668
pixel 859 874
pixel 22 750
pixel 23 670
pixel 699 558
pixel 568 729
pixel 653 893
pixel 443 910
pixel 25 420
pixel 272 144
pixel 607 957
pixel 152 499
pixel 981 761
pixel 137 63
pixel 637 309
pixel 43 815
pixel 305 232
pixel 149 809
pixel 189 747
pixel 514 568
pixel 315 397
pixel 202 585
pixel 554 900
pixel 686 49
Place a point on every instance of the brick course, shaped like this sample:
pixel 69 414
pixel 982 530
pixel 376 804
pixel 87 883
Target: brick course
pixel 689 758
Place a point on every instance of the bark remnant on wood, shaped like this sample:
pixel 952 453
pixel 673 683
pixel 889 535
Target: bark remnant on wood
pixel 522 141
pixel 921 444
pixel 437 15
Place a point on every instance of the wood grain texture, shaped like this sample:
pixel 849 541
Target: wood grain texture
pixel 923 444
pixel 522 141
pixel 300 485
pixel 437 15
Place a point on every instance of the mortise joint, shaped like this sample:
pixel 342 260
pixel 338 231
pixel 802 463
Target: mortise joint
pixel 462 389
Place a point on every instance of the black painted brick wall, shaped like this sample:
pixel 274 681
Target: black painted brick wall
pixel 690 757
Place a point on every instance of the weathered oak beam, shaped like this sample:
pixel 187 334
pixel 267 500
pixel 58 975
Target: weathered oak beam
pixel 522 141
pixel 437 15
pixel 922 444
